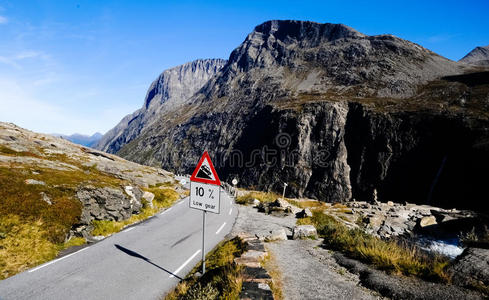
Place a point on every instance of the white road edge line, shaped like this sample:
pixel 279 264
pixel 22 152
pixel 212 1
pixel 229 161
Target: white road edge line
pixel 56 260
pixel 220 228
pixel 230 210
pixel 128 229
pixel 180 202
pixel 165 211
pixel 185 263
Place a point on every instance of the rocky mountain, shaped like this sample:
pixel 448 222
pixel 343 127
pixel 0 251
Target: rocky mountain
pixel 170 90
pixel 478 56
pixel 336 114
pixel 81 139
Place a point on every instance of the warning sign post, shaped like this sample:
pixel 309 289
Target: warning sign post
pixel 205 193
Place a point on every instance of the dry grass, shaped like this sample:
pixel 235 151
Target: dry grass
pixel 262 196
pixel 390 256
pixel 40 229
pixel 24 244
pixel 311 204
pixel 222 280
pixel 276 285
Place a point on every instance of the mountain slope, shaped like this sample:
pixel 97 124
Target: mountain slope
pixel 334 113
pixel 167 92
pixel 478 56
pixel 52 190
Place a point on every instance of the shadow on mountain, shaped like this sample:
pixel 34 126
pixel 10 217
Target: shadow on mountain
pixel 137 255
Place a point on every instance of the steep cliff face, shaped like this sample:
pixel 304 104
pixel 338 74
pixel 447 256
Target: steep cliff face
pixel 171 89
pixel 334 113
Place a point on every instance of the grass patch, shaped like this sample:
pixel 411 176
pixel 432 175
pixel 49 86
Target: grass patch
pixel 222 280
pixel 163 198
pixel 74 241
pixel 276 285
pixel 308 204
pixel 262 196
pixel 390 256
pixel 304 221
pixel 4 150
pixel 23 245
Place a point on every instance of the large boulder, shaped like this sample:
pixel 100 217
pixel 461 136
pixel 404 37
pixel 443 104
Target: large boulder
pixel 472 268
pixel 304 231
pixel 427 221
pixel 276 235
pixel 108 203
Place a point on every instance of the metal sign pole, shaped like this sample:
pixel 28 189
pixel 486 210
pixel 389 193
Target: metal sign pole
pixel 203 242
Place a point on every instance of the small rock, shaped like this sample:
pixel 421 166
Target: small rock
pixel 276 235
pixel 304 231
pixel 427 221
pixel 264 286
pixel 256 202
pixel 33 181
pixel 280 203
pixel 45 198
pixel 390 203
pixel 304 213
pixel 148 197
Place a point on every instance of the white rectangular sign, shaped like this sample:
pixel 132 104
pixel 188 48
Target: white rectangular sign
pixel 205 196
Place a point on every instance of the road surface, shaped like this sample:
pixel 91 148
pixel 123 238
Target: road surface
pixel 141 262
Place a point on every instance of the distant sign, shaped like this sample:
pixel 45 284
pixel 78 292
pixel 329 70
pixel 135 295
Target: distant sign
pixel 235 181
pixel 205 186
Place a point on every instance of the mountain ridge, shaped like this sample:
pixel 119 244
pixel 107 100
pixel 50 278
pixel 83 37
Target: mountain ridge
pixel 172 87
pixel 315 84
pixel 81 139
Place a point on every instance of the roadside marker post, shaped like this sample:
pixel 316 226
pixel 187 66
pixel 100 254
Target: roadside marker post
pixel 205 193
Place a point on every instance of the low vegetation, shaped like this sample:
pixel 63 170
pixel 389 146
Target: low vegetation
pixel 391 256
pixel 262 196
pixel 32 231
pixel 164 197
pixel 222 280
pixel 276 284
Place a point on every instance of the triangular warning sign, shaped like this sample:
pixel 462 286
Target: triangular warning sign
pixel 205 172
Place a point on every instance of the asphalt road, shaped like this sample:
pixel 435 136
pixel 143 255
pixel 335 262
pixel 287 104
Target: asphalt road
pixel 141 262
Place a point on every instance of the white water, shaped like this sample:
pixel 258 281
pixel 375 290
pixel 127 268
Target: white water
pixel 448 247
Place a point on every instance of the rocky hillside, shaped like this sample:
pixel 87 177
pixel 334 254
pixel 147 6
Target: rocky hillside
pixel 170 90
pixel 336 114
pixel 52 190
pixel 478 56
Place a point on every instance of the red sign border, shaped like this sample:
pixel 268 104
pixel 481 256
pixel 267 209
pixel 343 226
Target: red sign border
pixel 213 170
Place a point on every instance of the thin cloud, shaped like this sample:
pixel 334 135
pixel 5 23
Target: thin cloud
pixel 440 38
pixel 3 20
pixel 16 59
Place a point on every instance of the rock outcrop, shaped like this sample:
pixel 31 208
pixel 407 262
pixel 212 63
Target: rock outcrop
pixel 337 115
pixel 478 56
pixel 170 90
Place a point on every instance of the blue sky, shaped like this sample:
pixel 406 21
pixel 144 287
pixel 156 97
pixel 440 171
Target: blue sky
pixel 80 66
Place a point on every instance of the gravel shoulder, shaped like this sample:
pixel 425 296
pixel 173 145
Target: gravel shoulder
pixel 308 271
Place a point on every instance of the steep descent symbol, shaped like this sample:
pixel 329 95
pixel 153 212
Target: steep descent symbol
pixel 205 172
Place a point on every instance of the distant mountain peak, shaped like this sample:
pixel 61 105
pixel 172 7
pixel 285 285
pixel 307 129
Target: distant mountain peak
pixel 478 56
pixel 81 139
pixel 170 90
